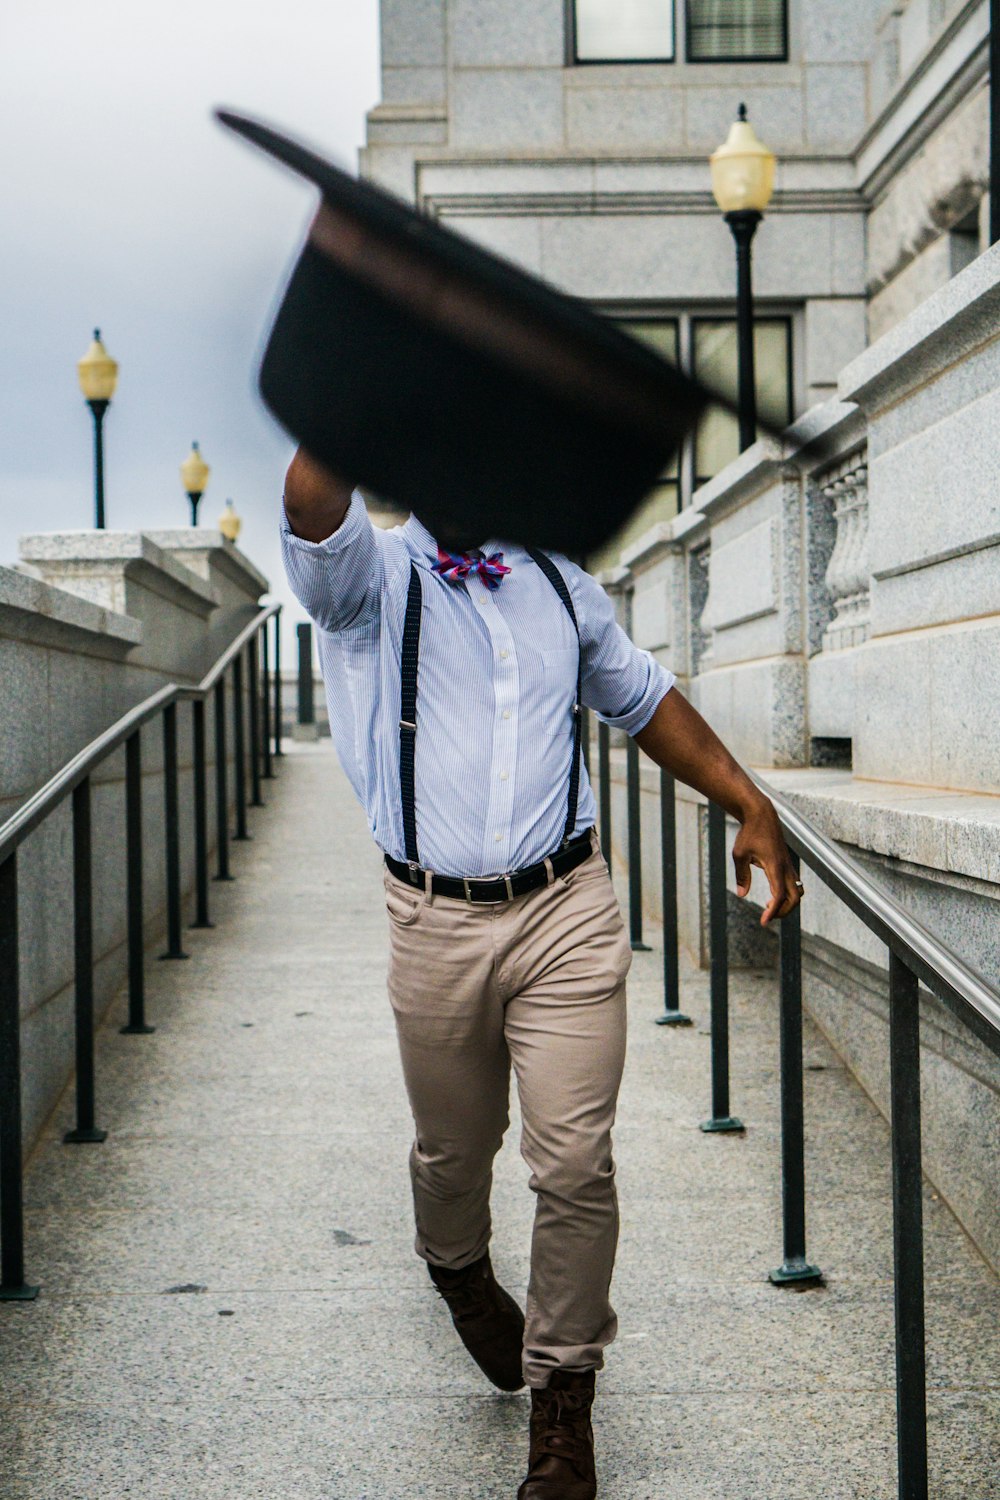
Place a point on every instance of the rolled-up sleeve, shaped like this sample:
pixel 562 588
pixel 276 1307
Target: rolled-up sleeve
pixel 622 683
pixel 338 581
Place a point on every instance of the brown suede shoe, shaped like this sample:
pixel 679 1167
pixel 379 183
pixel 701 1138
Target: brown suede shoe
pixel 489 1321
pixel 561 1456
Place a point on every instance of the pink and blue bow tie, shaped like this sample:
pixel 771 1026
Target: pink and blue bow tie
pixel 457 565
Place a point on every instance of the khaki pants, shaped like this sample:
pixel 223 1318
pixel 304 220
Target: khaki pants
pixel 538 981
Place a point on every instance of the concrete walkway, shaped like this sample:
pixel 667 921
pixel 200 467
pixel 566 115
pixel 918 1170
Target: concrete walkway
pixel 231 1307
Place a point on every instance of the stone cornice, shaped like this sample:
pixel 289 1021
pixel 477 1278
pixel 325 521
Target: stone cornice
pixel 548 205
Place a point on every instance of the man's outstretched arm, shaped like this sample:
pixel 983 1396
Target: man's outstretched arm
pixel 678 738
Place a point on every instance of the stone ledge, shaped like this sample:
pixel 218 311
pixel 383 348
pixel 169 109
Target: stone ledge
pixel 205 550
pixel 937 828
pixel 960 317
pixel 96 564
pixel 45 615
pixel 754 470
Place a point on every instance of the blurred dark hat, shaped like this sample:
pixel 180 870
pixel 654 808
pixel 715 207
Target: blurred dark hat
pixel 417 364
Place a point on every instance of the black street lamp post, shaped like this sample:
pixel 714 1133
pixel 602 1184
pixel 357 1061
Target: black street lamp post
pixel 98 376
pixel 743 181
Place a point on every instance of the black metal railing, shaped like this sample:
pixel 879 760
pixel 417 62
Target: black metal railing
pixel 915 956
pixel 251 694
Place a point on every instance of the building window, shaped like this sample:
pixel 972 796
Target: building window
pixel 714 360
pixel 737 30
pixel 663 502
pixel 623 30
pixel 707 347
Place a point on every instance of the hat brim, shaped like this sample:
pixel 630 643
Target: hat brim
pixel 451 382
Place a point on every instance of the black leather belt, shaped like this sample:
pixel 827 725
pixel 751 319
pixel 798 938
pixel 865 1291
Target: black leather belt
pixel 502 887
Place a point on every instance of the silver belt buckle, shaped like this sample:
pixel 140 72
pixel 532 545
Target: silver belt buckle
pixel 487 880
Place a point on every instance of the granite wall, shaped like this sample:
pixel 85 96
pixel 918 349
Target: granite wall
pixel 91 623
pixel 831 603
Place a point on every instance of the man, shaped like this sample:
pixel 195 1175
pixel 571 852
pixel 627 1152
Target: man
pixel 453 675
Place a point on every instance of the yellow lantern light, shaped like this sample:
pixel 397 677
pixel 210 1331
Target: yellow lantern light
pixel 97 372
pixel 742 170
pixel 230 524
pixel 194 478
pixel 194 472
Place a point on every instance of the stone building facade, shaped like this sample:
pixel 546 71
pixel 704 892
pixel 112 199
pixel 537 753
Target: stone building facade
pixel 830 601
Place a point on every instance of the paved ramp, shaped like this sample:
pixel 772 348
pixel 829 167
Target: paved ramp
pixel 231 1307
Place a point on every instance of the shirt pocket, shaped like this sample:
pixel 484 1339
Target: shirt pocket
pixel 559 667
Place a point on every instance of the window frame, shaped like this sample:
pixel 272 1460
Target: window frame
pixel 700 62
pixel 575 61
pixel 761 315
pixel 685 315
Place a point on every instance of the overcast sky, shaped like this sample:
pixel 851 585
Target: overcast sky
pixel 128 208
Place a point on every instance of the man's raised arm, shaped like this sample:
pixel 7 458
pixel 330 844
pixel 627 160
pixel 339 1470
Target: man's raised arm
pixel 332 555
pixel 316 500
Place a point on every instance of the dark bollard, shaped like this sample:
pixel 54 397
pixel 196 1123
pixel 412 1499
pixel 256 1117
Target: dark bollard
pixel 722 1121
pixel 221 785
pixel 634 847
pixel 256 800
pixel 794 1268
pixel 305 725
pixel 172 833
pixel 239 751
pixel 200 815
pixel 13 1287
pixel 604 775
pixel 585 736
pixel 265 706
pixel 277 686
pixel 83 954
pixel 136 1025
pixel 907 1231
pixel 672 1015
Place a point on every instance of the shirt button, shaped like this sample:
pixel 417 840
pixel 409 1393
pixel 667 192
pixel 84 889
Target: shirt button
pixel 503 656
pixel 498 838
pixel 503 775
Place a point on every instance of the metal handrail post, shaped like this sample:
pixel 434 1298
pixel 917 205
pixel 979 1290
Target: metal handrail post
pixel 907 1230
pixel 585 736
pixel 172 834
pixel 633 804
pixel 277 686
pixel 136 1024
pixel 604 777
pixel 722 1121
pixel 265 705
pixel 794 1268
pixel 256 800
pixel 221 785
pixel 83 963
pixel 201 918
pixel 240 751
pixel 672 1015
pixel 13 1287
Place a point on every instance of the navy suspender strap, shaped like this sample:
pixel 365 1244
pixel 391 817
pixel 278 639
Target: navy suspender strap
pixel 408 712
pixel 558 582
pixel 408 703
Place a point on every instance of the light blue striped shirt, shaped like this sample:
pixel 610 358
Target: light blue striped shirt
pixel 497 681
